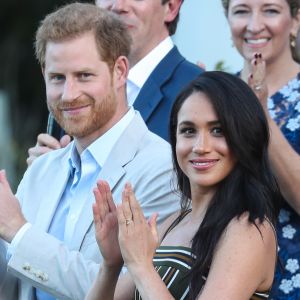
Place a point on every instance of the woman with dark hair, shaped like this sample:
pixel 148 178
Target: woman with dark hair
pixel 221 245
pixel 265 33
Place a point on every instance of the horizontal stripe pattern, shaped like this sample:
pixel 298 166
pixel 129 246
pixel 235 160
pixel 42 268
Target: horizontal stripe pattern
pixel 173 265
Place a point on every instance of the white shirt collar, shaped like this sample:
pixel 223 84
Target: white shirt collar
pixel 140 72
pixel 101 148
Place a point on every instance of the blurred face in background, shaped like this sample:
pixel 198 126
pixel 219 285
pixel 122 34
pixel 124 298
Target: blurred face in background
pixel 145 20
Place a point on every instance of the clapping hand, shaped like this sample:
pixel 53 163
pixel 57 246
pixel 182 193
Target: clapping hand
pixel 138 238
pixel 257 79
pixel 11 217
pixel 106 225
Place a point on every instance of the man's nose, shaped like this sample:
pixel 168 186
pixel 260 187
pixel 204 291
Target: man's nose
pixel 70 91
pixel 119 6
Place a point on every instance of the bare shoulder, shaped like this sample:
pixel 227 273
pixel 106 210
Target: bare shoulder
pixel 162 229
pixel 242 229
pixel 243 262
pixel 243 235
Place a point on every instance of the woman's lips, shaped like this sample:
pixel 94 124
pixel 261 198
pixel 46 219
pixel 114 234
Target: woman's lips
pixel 203 164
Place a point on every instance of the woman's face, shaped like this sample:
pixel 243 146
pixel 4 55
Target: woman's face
pixel 201 149
pixel 262 26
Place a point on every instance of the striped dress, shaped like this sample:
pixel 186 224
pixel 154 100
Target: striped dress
pixel 173 264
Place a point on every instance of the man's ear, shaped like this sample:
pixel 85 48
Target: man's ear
pixel 120 71
pixel 172 10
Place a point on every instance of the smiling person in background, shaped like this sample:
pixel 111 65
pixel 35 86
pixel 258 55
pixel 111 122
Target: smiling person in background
pixel 264 32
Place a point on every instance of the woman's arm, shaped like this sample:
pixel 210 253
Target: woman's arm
pixel 284 159
pixel 286 166
pixel 244 262
pixel 106 230
pixel 108 284
pixel 105 284
pixel 138 240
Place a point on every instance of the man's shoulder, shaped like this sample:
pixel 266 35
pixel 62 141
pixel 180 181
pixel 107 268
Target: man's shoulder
pixel 151 143
pixel 155 143
pixel 148 147
pixel 188 69
pixel 182 63
pixel 51 158
pixel 154 154
pixel 176 69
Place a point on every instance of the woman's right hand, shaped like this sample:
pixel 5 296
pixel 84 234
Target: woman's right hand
pixel 106 225
pixel 138 237
pixel 257 79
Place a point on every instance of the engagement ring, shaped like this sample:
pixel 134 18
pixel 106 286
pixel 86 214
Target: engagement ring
pixel 257 87
pixel 128 221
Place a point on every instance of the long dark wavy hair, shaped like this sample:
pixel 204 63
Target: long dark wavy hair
pixel 250 187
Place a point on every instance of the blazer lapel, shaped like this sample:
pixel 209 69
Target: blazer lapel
pixel 59 176
pixel 85 220
pixel 151 93
pixel 112 171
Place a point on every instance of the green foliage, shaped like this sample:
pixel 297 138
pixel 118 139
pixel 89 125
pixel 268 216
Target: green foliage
pixel 220 66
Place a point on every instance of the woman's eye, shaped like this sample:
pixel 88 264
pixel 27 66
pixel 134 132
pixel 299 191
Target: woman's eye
pixel 187 131
pixel 240 12
pixel 217 131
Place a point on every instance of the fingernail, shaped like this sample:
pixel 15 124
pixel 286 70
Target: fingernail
pixel 260 55
pixel 251 76
pixel 255 62
pixel 256 55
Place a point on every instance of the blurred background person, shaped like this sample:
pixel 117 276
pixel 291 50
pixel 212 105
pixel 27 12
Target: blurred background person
pixel 270 27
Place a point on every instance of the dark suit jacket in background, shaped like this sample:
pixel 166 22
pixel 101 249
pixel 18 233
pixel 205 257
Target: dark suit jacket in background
pixel 156 98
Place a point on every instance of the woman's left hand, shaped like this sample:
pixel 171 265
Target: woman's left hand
pixel 138 238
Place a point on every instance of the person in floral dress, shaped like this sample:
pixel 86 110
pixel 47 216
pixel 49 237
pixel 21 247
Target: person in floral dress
pixel 264 32
pixel 284 108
